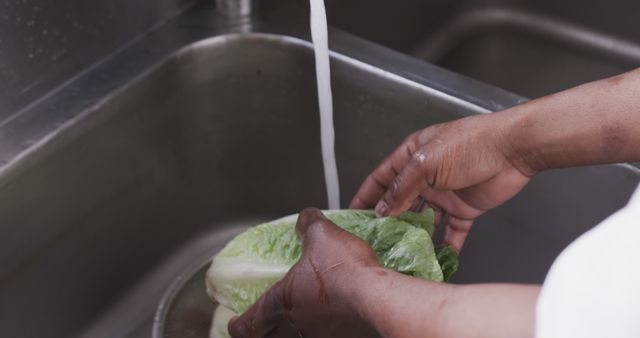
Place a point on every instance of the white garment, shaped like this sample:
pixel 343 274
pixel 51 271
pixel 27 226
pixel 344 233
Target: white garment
pixel 593 288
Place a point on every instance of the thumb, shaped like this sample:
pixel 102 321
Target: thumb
pixel 323 238
pixel 307 218
pixel 261 318
pixel 317 232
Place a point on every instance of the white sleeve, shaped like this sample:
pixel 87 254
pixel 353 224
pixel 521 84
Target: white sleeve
pixel 593 288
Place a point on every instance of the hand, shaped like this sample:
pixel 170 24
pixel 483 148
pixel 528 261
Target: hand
pixel 316 298
pixel 338 289
pixel 461 167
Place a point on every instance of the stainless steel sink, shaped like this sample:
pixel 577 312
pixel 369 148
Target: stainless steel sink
pixel 529 47
pixel 155 158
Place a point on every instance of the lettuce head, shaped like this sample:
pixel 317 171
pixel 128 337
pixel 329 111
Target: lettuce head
pixel 256 259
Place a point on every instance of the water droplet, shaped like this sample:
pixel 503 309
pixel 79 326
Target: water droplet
pixel 30 55
pixel 59 54
pixel 45 32
pixel 30 23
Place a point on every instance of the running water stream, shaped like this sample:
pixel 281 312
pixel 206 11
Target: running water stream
pixel 319 35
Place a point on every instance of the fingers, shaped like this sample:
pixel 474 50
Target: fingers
pixel 494 191
pixel 369 194
pixel 396 183
pixel 418 204
pixel 379 181
pixel 313 226
pixel 451 202
pixel 405 187
pixel 460 219
pixel 438 214
pixel 456 232
pixel 324 240
pixel 306 218
pixel 262 318
pixel 455 229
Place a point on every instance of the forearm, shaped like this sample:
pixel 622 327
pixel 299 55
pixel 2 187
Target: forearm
pixel 596 123
pixel 399 306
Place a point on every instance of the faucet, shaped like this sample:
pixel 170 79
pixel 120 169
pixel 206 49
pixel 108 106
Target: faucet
pixel 236 8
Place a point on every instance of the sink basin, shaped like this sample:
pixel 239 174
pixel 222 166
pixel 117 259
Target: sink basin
pixel 224 132
pixel 528 47
pixel 152 168
pixel 526 53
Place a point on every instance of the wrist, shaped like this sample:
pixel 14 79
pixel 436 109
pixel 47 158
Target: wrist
pixel 358 289
pixel 369 297
pixel 522 147
pixel 397 305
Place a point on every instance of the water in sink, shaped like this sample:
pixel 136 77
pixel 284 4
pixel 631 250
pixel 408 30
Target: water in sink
pixel 319 34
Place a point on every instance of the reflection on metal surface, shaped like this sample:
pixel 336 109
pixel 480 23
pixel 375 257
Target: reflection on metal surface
pixel 236 8
pixel 45 43
pixel 527 53
pixel 529 47
pixel 185 309
pixel 483 22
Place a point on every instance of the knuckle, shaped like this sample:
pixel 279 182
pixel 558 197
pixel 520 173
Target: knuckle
pixel 408 146
pixel 425 163
pixel 411 139
pixel 421 160
pixel 431 163
pixel 411 144
pixel 428 133
pixel 394 189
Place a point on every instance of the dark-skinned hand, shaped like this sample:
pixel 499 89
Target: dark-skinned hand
pixel 315 299
pixel 462 168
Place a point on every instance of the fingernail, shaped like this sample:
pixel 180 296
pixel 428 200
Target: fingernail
pixel 382 209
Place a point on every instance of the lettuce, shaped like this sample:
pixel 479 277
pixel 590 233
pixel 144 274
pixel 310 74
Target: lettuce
pixel 256 259
pixel 221 318
pixel 448 260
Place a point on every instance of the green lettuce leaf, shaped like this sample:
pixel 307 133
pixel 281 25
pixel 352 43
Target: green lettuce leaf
pixel 256 259
pixel 448 260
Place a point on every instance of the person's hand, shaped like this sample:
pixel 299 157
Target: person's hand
pixel 462 167
pixel 338 289
pixel 316 298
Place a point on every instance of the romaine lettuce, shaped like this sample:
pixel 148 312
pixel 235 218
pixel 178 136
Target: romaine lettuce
pixel 256 259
